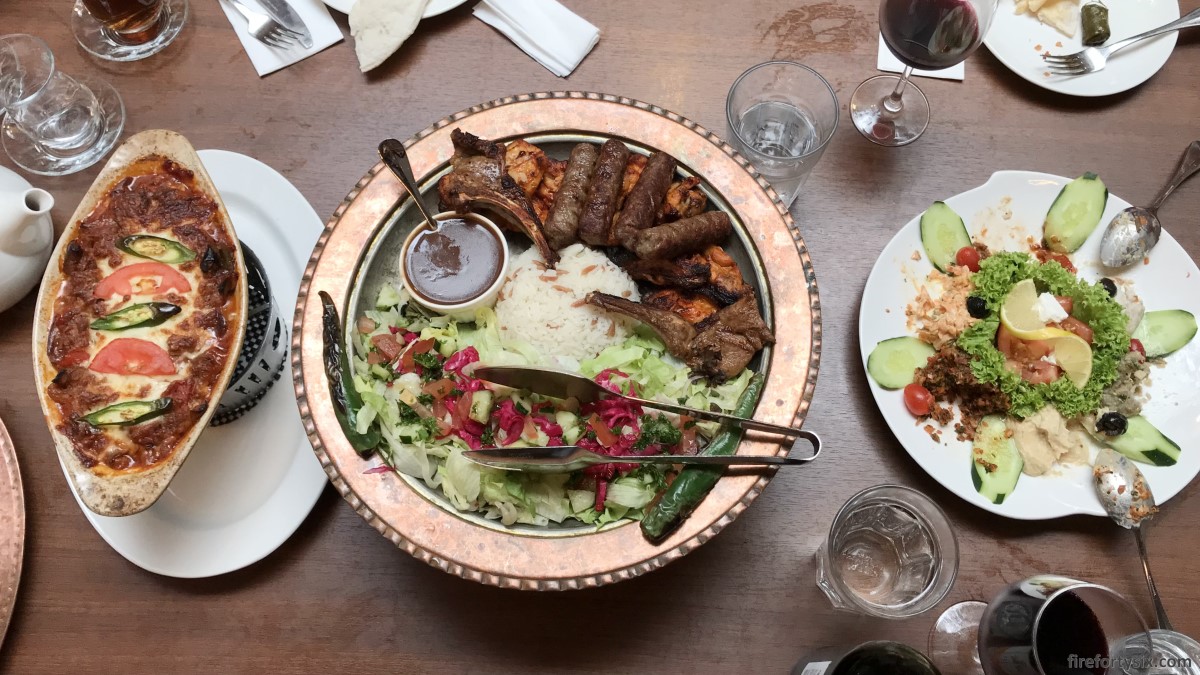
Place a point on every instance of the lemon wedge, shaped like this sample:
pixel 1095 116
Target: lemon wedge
pixel 1019 312
pixel 1074 355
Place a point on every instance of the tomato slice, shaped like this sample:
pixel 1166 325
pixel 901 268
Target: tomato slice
pixel 131 356
pixel 439 388
pixel 1077 327
pixel 387 345
pixel 1066 302
pixel 153 278
pixel 1135 345
pixel 1040 372
pixel 604 435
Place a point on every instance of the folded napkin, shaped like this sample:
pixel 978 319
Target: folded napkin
pixel 267 59
pixel 553 35
pixel 889 63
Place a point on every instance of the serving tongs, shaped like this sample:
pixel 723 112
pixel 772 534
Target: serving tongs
pixel 559 385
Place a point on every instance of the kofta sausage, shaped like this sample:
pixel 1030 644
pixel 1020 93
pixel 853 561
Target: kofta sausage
pixel 595 221
pixel 643 202
pixel 563 220
pixel 683 236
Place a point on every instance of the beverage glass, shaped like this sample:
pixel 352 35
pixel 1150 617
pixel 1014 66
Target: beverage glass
pixel 931 34
pixel 53 124
pixel 782 116
pixel 127 30
pixel 890 553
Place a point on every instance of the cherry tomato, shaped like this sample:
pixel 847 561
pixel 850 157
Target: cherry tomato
pixel 1067 302
pixel 162 278
pixel 918 400
pixel 131 356
pixel 968 257
pixel 1062 259
pixel 1135 345
pixel 1077 327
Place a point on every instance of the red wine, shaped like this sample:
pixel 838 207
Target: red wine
pixel 870 658
pixel 1069 627
pixel 929 34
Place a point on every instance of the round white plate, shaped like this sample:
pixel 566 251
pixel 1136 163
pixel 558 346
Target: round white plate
pixel 434 7
pixel 247 485
pixel 1170 281
pixel 1019 41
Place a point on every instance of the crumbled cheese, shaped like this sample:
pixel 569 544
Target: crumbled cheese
pixel 1048 308
pixel 1049 358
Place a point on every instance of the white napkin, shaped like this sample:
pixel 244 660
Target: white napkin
pixel 267 59
pixel 553 35
pixel 889 63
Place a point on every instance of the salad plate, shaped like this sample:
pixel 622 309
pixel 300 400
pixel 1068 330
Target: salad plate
pixel 1003 214
pixel 434 8
pixel 357 257
pixel 1020 40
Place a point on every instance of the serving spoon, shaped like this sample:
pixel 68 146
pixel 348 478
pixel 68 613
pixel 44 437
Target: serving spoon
pixel 1134 231
pixel 1123 491
pixel 392 152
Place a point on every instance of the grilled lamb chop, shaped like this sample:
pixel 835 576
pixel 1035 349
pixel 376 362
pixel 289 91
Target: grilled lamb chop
pixel 674 330
pixel 479 179
pixel 692 307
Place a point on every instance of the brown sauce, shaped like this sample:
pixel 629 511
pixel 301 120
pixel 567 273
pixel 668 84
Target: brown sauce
pixel 455 263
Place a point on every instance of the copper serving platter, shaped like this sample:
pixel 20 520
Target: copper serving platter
pixel 417 519
pixel 12 528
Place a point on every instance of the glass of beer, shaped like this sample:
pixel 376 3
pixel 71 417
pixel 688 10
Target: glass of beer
pixel 127 30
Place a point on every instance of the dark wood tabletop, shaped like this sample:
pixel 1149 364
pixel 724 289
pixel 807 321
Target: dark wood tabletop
pixel 337 597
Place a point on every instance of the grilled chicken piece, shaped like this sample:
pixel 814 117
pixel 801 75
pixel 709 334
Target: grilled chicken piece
pixel 689 271
pixel 692 307
pixel 526 163
pixel 725 282
pixel 543 197
pixel 479 179
pixel 676 333
pixel 633 171
pixel 683 200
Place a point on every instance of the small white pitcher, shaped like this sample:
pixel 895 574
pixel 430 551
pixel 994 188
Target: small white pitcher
pixel 26 237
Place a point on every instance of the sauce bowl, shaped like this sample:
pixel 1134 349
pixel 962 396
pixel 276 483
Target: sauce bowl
pixel 463 310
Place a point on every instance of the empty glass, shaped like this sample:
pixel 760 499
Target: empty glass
pixel 53 124
pixel 890 553
pixel 127 30
pixel 782 116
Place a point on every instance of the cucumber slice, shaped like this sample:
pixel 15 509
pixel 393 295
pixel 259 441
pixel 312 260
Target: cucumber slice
pixel 481 406
pixel 1142 442
pixel 1165 331
pixel 995 461
pixel 943 234
pixel 1075 213
pixel 893 362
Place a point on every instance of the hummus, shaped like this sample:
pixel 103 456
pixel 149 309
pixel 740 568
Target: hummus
pixel 1043 440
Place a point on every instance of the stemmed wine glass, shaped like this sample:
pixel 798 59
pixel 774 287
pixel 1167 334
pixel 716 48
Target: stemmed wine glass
pixel 930 34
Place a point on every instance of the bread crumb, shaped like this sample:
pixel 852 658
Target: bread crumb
pixel 916 255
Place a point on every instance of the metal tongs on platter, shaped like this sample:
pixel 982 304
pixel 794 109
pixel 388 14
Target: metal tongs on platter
pixel 560 385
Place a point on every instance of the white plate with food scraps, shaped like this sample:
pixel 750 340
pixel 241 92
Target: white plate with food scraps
pixel 1003 213
pixel 248 484
pixel 1020 40
pixel 434 8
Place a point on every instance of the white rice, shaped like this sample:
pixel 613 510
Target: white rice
pixel 544 308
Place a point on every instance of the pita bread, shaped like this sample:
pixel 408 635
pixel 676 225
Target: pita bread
pixel 379 28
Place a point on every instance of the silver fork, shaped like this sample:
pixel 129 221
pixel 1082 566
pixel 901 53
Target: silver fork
pixel 264 28
pixel 1095 58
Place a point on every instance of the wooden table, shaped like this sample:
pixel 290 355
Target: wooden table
pixel 338 597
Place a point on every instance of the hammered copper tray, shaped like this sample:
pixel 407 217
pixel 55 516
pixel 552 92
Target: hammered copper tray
pixel 418 519
pixel 12 528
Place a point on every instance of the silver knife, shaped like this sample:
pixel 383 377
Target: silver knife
pixel 282 12
pixel 565 458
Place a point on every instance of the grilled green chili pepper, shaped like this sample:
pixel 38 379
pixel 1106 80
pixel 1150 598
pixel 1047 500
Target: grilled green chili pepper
pixel 156 248
pixel 128 413
pixel 137 316
pixel 346 401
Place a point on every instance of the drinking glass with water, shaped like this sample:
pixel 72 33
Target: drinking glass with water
pixel 890 553
pixel 782 116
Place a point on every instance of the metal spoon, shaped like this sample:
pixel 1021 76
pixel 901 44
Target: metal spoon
pixel 1123 490
pixel 1134 231
pixel 392 152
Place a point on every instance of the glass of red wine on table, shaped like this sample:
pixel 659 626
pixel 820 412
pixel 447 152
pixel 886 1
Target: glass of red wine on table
pixel 932 34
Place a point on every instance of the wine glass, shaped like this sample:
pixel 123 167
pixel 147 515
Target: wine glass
pixel 1043 625
pixel 932 34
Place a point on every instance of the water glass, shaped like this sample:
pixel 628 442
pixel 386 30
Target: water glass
pixel 53 124
pixel 127 30
pixel 890 553
pixel 782 116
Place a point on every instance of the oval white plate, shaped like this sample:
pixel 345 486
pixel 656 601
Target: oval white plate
pixel 1170 281
pixel 1013 38
pixel 248 484
pixel 434 7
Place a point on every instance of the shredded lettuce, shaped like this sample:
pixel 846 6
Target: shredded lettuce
pixel 997 275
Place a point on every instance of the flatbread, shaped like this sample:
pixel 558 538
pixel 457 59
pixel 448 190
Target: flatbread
pixel 379 28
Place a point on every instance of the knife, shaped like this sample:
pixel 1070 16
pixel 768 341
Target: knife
pixel 565 458
pixel 282 12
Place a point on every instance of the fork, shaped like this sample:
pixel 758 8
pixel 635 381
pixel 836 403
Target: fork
pixel 1093 59
pixel 265 29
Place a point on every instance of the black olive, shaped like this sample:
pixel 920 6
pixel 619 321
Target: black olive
pixel 1112 424
pixel 210 261
pixel 1110 286
pixel 977 307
